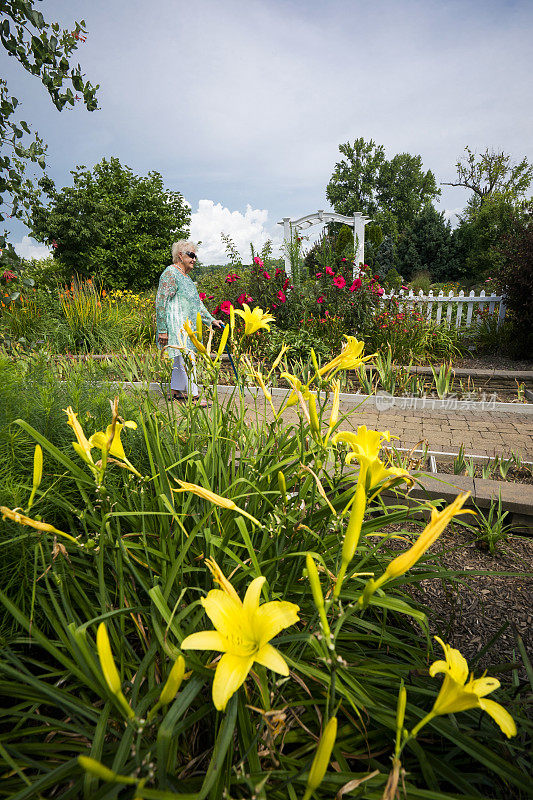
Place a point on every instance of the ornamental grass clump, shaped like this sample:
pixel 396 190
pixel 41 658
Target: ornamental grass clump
pixel 302 674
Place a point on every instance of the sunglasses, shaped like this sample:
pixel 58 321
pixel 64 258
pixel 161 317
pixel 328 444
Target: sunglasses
pixel 191 255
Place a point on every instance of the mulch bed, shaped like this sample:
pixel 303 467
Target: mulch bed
pixel 472 612
pixel 522 474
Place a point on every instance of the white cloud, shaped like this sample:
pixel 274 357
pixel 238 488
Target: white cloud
pixel 212 219
pixel 29 248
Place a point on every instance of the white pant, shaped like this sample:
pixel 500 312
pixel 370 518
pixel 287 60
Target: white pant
pixel 184 374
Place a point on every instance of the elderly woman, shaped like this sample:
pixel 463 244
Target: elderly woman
pixel 176 302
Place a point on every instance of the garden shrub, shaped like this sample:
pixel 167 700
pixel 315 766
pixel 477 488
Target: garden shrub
pixel 515 279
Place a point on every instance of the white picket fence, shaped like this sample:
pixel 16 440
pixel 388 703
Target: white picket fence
pixel 451 308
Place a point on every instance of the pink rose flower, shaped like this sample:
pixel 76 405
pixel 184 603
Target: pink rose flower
pixel 211 297
pixel 258 261
pixel 274 305
pixel 226 306
pixel 281 296
pixel 320 299
pixel 202 295
pixel 329 271
pixel 285 284
pixel 278 271
pixel 339 282
pixel 318 275
pixel 356 285
pixel 267 276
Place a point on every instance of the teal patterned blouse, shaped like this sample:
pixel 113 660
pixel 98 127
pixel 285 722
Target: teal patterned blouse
pixel 177 300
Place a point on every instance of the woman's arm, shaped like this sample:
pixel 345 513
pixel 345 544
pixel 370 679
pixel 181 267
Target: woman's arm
pixel 166 290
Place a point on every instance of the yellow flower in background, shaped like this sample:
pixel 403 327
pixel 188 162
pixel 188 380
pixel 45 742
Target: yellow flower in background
pixel 432 531
pixel 350 357
pixel 456 694
pixel 243 631
pixel 254 320
pixel 365 444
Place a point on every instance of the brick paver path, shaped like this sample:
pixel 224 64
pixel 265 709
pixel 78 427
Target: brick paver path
pixel 486 433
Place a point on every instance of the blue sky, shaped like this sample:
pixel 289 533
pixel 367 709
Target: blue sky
pixel 241 104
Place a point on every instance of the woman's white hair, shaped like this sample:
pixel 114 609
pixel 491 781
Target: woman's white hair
pixel 181 246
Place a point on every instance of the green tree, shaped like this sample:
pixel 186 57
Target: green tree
pixel 404 189
pixel 43 50
pixel 354 183
pixel 479 237
pixel 427 245
pixel 113 225
pixel 391 192
pixel 491 174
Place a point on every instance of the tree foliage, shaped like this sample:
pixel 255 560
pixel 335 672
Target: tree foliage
pixel 428 244
pixel 113 224
pixel 391 192
pixel 43 50
pixel 491 174
pixel 515 278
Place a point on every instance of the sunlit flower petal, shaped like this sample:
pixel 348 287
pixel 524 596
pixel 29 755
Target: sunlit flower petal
pixel 204 640
pixel 230 674
pixel 500 716
pixel 272 659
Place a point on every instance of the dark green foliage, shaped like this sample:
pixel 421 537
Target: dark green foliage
pixel 393 280
pixel 428 244
pixel 43 50
pixel 114 225
pixel 479 237
pixel 515 278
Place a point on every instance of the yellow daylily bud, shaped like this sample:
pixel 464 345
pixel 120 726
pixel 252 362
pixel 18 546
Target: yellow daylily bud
pixel 37 466
pixel 314 581
pixel 173 682
pixel 334 416
pixel 37 472
pixel 322 757
pixel 232 320
pixel 313 416
pixel 278 358
pixel 223 340
pixel 44 527
pixel 97 769
pixel 282 485
pixel 199 328
pixel 314 361
pixel 109 670
pixel 353 530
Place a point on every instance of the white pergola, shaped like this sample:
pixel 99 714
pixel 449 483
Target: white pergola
pixel 357 222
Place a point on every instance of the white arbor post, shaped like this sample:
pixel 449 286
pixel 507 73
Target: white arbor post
pixel 357 222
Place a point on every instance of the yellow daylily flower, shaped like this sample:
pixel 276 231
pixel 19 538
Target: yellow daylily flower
pixel 350 357
pixel 115 449
pixel 216 499
pixel 322 757
pixel 439 520
pixel 193 337
pixel 82 445
pixel 365 444
pixel 456 694
pixel 242 633
pixel 297 386
pixel 379 473
pixel 22 519
pixel 254 320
